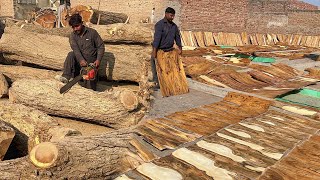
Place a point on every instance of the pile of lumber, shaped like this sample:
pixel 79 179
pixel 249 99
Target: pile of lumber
pixel 203 39
pixel 31 98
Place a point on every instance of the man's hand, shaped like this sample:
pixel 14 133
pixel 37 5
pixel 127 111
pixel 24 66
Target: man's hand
pixel 83 63
pixel 180 51
pixel 154 53
pixel 97 63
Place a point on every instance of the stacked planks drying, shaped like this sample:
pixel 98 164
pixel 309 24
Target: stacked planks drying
pixel 186 126
pixel 171 75
pixel 201 39
pixel 255 148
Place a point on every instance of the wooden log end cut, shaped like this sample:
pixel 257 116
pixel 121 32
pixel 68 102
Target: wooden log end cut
pixel 44 155
pixel 129 100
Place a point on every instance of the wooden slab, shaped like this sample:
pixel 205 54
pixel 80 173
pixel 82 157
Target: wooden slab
pixel 199 38
pixel 208 39
pixel 186 170
pixel 245 38
pixel 171 75
pixel 142 150
pixel 300 163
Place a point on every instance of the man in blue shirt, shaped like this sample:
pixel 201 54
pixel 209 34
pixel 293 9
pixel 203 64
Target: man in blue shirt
pixel 166 33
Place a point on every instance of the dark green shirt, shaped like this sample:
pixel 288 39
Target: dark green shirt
pixel 88 46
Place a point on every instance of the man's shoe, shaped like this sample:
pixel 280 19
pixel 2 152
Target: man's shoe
pixel 61 79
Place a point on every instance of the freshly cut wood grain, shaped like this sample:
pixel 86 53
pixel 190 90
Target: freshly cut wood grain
pixel 108 17
pixel 208 39
pixel 6 135
pixel 199 38
pixel 32 126
pixel 86 12
pixel 171 75
pixel 245 38
pixel 104 108
pixel 104 156
pixel 45 18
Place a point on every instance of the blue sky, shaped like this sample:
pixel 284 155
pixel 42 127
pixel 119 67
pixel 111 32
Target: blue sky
pixel 315 2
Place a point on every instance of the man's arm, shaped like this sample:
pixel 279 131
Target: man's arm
pixel 76 50
pixel 100 48
pixel 178 40
pixel 157 38
pixel 2 26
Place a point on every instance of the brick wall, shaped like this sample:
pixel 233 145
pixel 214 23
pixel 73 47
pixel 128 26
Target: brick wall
pixel 6 8
pixel 270 16
pixel 300 5
pixel 218 15
pixel 136 9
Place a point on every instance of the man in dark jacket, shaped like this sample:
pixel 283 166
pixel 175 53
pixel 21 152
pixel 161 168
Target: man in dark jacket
pixel 87 47
pixel 2 26
pixel 166 33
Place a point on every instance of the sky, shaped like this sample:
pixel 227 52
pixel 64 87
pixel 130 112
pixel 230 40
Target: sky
pixel 315 2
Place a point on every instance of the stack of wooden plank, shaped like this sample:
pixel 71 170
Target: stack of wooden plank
pixel 171 75
pixel 186 126
pixel 203 39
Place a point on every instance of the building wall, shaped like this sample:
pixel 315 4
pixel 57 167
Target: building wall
pixel 6 8
pixel 300 5
pixel 217 15
pixel 137 10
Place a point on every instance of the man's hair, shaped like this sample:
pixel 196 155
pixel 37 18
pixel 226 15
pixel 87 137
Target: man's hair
pixel 170 10
pixel 75 19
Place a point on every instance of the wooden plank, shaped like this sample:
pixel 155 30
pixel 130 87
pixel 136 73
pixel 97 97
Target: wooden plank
pixel 245 38
pixel 216 38
pixel 156 140
pixel 171 75
pixel 261 39
pixel 253 39
pixel 186 170
pixel 198 36
pixel 186 38
pixel 142 150
pixel 223 161
pixel 301 163
pixel 208 39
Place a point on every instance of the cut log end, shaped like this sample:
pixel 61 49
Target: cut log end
pixel 129 100
pixel 44 155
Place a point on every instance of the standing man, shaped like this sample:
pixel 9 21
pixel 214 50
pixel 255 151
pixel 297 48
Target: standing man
pixel 2 26
pixel 64 4
pixel 87 47
pixel 166 33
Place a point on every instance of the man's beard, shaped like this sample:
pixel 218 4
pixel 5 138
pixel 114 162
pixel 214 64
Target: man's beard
pixel 78 32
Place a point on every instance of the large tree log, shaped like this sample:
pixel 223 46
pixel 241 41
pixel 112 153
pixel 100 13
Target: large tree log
pixel 31 126
pixel 96 157
pixel 112 33
pixel 6 135
pixel 107 108
pixel 45 18
pixel 108 17
pixel 3 85
pixel 125 33
pixel 14 73
pixel 121 62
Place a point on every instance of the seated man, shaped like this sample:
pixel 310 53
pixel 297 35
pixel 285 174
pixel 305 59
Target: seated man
pixel 2 26
pixel 87 46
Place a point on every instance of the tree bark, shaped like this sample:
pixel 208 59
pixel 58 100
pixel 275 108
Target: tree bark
pixel 103 108
pixel 4 86
pixel 14 73
pixel 120 62
pixel 31 126
pixel 125 33
pixel 96 157
pixel 6 135
pixel 112 33
pixel 108 17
